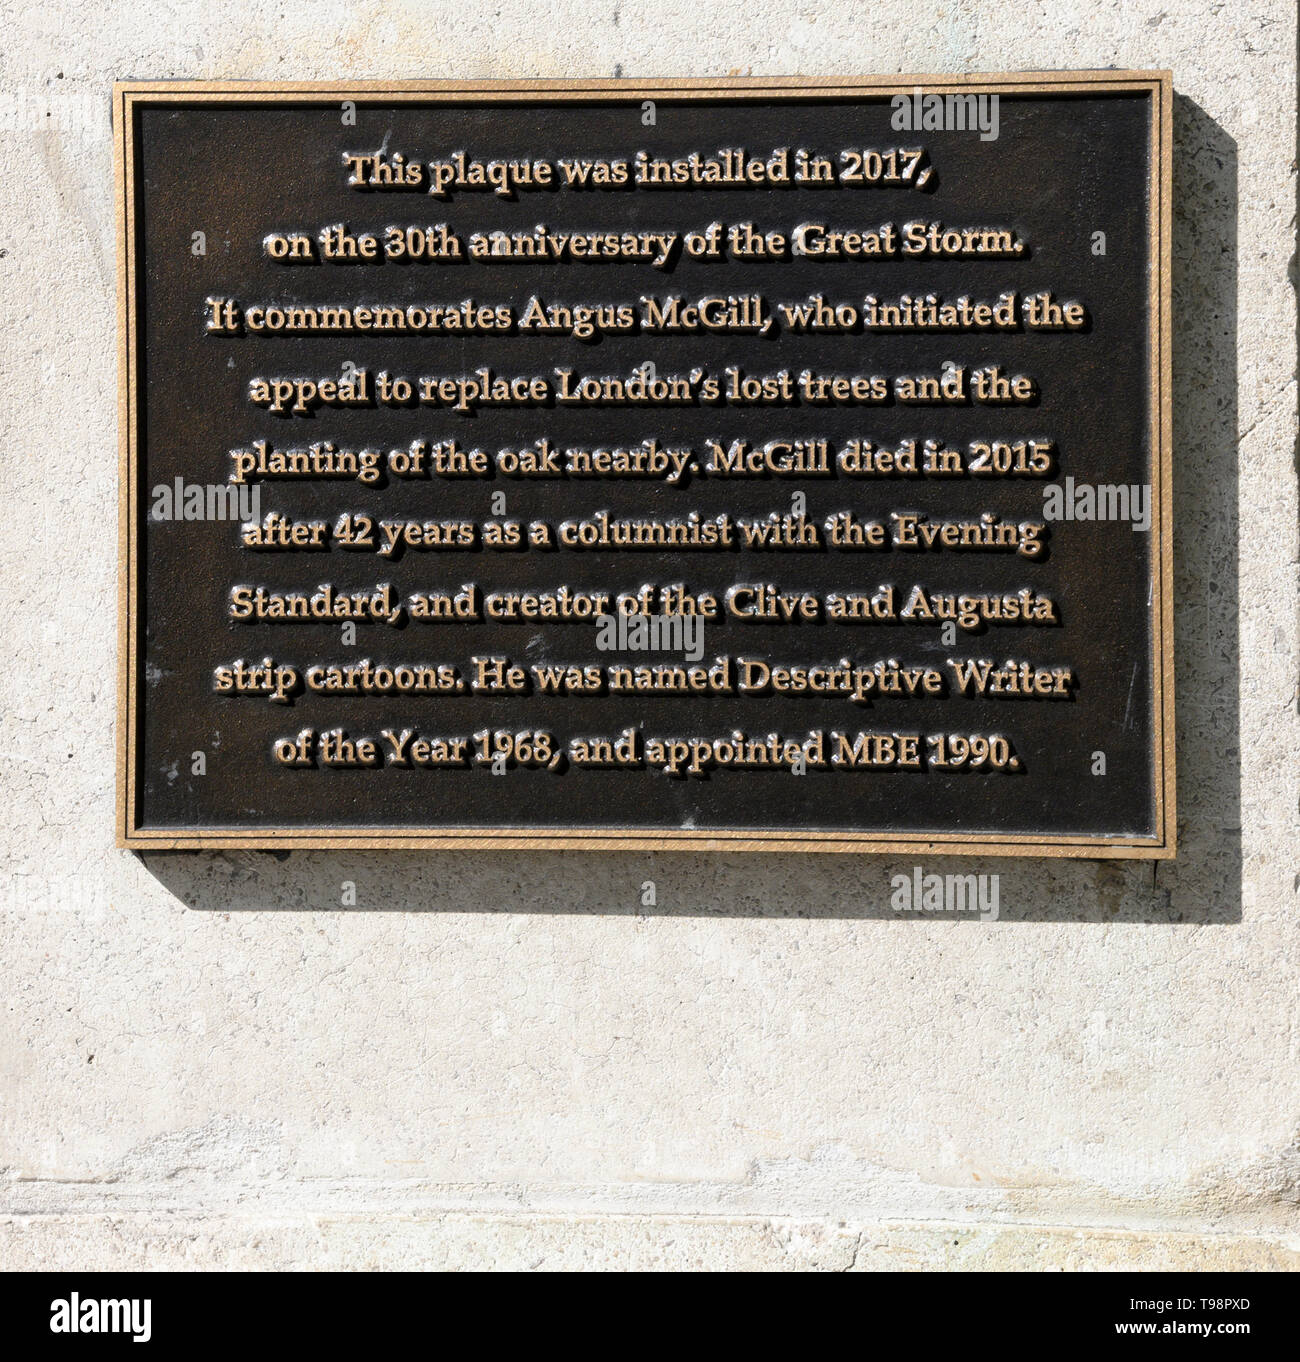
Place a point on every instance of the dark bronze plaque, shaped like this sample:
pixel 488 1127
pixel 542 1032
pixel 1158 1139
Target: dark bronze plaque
pixel 743 465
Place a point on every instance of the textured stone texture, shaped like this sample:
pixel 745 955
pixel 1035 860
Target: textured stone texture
pixel 506 1061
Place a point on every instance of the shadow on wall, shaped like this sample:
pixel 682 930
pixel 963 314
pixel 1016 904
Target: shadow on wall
pixel 1202 886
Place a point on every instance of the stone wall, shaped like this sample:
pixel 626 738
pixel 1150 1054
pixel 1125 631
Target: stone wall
pixel 506 1060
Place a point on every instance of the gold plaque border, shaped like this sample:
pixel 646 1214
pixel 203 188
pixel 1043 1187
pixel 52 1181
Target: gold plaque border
pixel 1157 85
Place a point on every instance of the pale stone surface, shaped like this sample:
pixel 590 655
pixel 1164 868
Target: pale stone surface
pixel 502 1060
pixel 622 1243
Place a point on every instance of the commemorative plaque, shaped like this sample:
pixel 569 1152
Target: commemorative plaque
pixel 734 465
